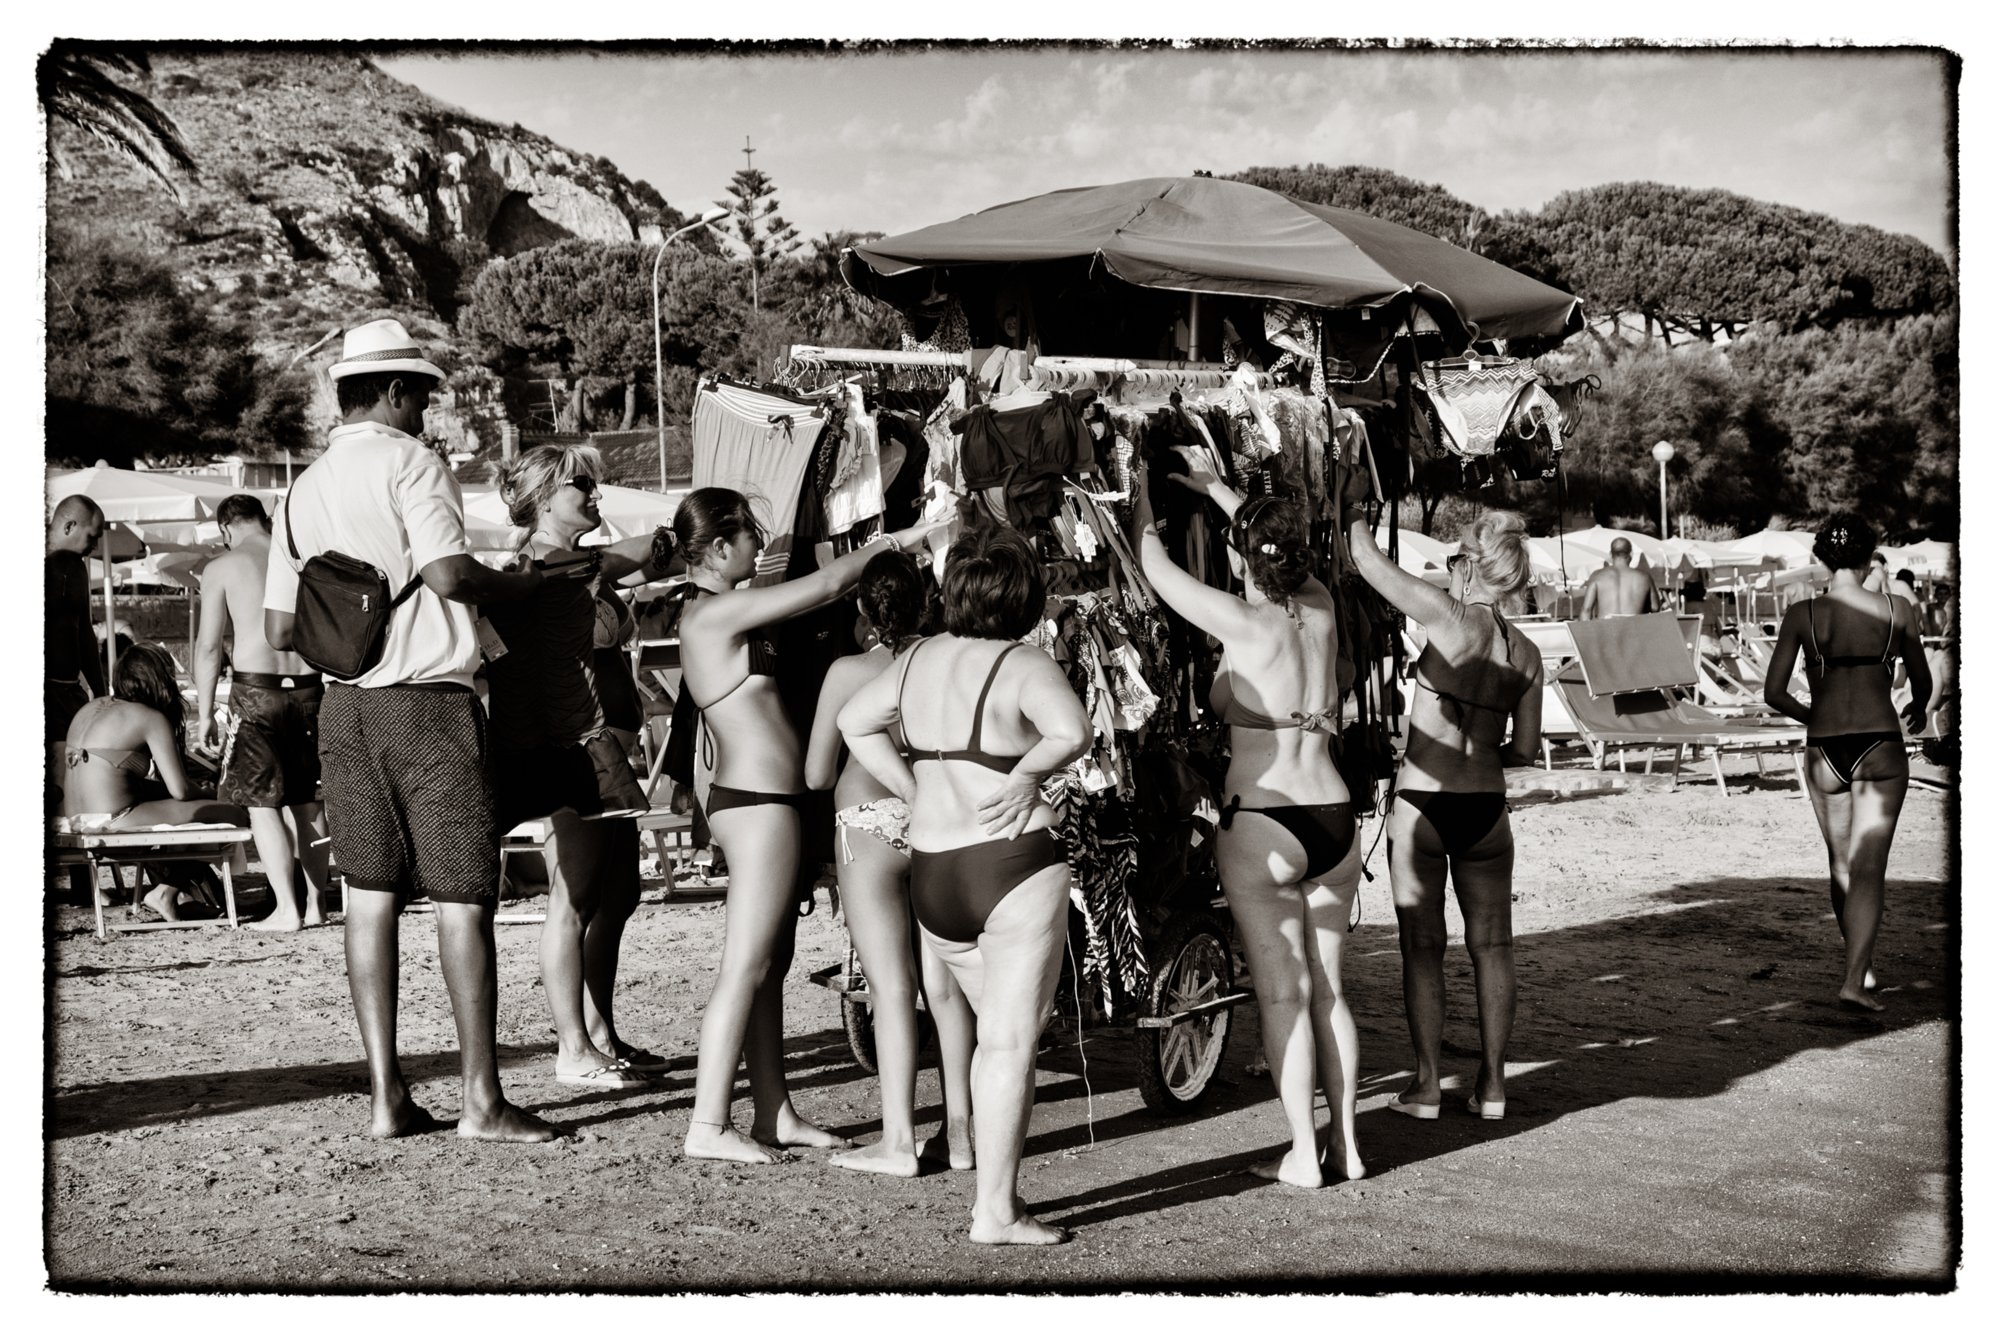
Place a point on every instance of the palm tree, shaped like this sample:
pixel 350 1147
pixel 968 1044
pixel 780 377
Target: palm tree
pixel 75 83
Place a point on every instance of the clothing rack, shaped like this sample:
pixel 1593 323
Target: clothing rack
pixel 1054 371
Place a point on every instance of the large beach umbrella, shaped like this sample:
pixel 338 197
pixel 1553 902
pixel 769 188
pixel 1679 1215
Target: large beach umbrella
pixel 1926 558
pixel 1793 549
pixel 1228 238
pixel 626 512
pixel 141 496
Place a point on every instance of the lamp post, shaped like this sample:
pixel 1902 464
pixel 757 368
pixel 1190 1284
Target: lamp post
pixel 659 340
pixel 1663 452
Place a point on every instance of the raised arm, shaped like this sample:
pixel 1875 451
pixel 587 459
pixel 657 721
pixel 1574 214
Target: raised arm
pixel 1916 664
pixel 208 654
pixel 1209 608
pixel 1413 595
pixel 843 679
pixel 864 721
pixel 1052 708
pixel 743 612
pixel 1778 675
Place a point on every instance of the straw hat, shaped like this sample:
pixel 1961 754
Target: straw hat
pixel 382 347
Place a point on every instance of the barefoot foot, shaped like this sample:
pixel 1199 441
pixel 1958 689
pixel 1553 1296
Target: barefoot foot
pixel 726 1146
pixel 1859 1001
pixel 1341 1163
pixel 952 1146
pixel 1017 1229
pixel 883 1157
pixel 795 1132
pixel 406 1118
pixel 166 902
pixel 1294 1169
pixel 505 1124
pixel 275 923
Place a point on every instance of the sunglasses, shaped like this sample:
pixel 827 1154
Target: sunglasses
pixel 1456 561
pixel 583 484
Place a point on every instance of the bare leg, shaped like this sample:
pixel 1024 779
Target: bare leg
pixel 875 890
pixel 274 851
pixel 618 896
pixel 1484 881
pixel 952 1016
pixel 1876 806
pixel 762 843
pixel 1417 878
pixel 1833 807
pixel 305 824
pixel 1010 983
pixel 1329 901
pixel 373 943
pixel 1260 864
pixel 465 948
pixel 572 858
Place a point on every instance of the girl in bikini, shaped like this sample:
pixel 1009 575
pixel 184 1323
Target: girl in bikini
pixel 1856 767
pixel 1287 853
pixel 989 879
pixel 873 860
pixel 754 766
pixel 123 764
pixel 1476 675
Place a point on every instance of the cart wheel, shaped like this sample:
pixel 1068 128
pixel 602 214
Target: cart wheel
pixel 858 1017
pixel 1177 1065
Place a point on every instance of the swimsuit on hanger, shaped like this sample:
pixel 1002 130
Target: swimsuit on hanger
pixel 1845 754
pixel 763 661
pixel 1324 830
pixel 954 891
pixel 1461 818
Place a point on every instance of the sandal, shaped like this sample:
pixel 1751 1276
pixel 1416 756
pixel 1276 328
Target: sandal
pixel 615 1075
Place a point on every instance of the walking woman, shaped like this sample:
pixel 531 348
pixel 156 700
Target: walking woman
pixel 873 856
pixel 756 768
pixel 1477 676
pixel 989 878
pixel 1287 852
pixel 553 701
pixel 1857 770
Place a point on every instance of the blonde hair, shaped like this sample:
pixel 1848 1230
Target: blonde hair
pixel 528 482
pixel 1498 543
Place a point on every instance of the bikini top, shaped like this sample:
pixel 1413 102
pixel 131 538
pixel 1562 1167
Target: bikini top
pixel 1239 714
pixel 121 759
pixel 971 752
pixel 763 661
pixel 1825 662
pixel 1431 654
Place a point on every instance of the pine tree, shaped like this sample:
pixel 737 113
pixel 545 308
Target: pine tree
pixel 762 235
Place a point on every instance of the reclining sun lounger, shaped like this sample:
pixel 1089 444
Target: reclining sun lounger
pixel 219 846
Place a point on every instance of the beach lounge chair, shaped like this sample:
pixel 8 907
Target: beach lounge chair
pixel 219 846
pixel 1620 692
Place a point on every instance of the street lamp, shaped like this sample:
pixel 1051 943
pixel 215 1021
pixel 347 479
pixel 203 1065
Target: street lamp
pixel 1663 452
pixel 708 218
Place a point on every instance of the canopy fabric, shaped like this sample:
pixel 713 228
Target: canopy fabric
pixel 140 496
pixel 1791 548
pixel 1229 238
pixel 626 512
pixel 1926 558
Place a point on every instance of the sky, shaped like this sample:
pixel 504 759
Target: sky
pixel 891 141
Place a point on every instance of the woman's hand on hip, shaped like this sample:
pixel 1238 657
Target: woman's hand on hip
pixel 1007 810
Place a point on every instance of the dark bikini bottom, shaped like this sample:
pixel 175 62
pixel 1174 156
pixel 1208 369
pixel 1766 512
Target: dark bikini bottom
pixel 721 798
pixel 1461 820
pixel 954 891
pixel 1324 830
pixel 1851 757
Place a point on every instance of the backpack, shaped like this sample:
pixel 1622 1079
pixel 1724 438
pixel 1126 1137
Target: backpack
pixel 343 610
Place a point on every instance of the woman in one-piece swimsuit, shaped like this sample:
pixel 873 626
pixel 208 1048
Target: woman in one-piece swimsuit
pixel 989 878
pixel 752 754
pixel 872 858
pixel 1475 676
pixel 1857 770
pixel 1287 852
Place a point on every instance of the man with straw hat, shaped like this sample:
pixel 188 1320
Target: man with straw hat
pixel 403 744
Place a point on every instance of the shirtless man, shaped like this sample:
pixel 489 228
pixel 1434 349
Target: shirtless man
pixel 270 754
pixel 1618 589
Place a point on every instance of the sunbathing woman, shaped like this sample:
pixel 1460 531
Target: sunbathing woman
pixel 989 879
pixel 751 753
pixel 1287 852
pixel 123 764
pixel 874 866
pixel 1857 769
pixel 1476 674
pixel 549 719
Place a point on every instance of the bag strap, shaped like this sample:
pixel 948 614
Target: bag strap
pixel 293 545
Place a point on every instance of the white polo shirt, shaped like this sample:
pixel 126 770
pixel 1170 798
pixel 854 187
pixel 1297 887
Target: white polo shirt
pixel 381 496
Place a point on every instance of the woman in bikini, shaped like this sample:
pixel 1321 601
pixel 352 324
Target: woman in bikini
pixel 1477 674
pixel 553 704
pixel 1857 770
pixel 123 764
pixel 755 765
pixel 873 860
pixel 1287 853
pixel 989 879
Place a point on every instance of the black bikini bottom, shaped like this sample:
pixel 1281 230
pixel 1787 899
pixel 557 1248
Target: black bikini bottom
pixel 721 798
pixel 1851 757
pixel 1324 830
pixel 954 891
pixel 1461 820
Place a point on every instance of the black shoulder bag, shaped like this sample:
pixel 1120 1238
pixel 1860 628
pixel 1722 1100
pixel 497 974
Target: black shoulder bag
pixel 343 611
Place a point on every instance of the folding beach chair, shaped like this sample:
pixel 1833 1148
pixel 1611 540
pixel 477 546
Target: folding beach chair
pixel 221 847
pixel 1620 693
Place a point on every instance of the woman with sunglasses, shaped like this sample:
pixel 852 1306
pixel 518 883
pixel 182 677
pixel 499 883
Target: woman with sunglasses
pixel 1477 675
pixel 750 752
pixel 1287 853
pixel 557 709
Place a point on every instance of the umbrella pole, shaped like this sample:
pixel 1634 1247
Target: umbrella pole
pixel 110 625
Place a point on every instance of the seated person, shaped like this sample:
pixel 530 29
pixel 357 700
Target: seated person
pixel 123 770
